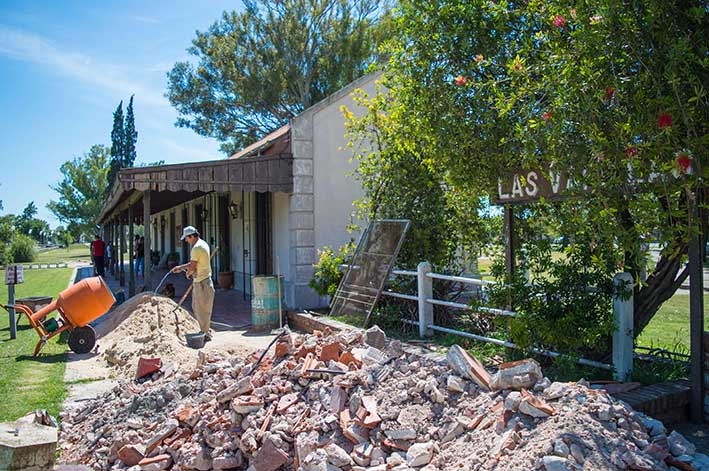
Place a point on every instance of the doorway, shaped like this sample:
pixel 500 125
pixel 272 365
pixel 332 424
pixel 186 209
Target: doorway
pixel 264 234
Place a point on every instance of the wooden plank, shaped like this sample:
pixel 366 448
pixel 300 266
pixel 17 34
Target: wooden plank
pixel 171 180
pixel 206 179
pixel 221 178
pixel 190 179
pixel 236 176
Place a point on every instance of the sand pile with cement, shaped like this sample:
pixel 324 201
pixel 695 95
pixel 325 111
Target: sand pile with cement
pixel 147 325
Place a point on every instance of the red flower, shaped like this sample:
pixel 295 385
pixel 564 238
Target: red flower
pixel 631 151
pixel 664 121
pixel 684 162
pixel 559 21
pixel 610 92
pixel 547 116
pixel 479 58
pixel 460 80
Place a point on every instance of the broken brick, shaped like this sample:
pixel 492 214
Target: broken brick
pixel 347 358
pixel 330 351
pixel 147 366
pixel 269 457
pixel 131 455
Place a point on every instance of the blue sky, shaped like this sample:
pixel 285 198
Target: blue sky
pixel 65 65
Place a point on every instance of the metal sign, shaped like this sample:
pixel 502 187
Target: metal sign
pixel 14 275
pixel 370 268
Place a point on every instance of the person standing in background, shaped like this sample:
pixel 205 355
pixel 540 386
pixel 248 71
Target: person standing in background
pixel 139 255
pixel 98 249
pixel 109 257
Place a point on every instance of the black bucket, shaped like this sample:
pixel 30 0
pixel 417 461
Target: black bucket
pixel 195 340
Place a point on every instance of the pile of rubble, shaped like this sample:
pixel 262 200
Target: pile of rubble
pixel 355 401
pixel 144 326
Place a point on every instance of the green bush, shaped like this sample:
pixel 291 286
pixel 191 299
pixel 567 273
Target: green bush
pixel 23 248
pixel 327 270
pixel 5 257
pixel 567 304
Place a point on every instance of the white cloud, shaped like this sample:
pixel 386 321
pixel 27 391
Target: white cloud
pixel 30 47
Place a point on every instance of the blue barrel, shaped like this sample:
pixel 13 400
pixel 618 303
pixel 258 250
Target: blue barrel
pixel 264 302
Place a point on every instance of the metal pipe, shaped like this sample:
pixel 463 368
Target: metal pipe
pixel 461 279
pixel 489 310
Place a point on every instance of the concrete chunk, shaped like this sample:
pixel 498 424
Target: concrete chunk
pixel 375 337
pixel 468 366
pixel 517 375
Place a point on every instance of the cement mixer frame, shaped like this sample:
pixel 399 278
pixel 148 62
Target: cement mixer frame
pixel 77 306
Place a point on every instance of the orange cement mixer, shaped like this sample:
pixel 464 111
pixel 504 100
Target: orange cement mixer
pixel 78 305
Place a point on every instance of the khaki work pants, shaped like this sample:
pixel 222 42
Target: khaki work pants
pixel 202 302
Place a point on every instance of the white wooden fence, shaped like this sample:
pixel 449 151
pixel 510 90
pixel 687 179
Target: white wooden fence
pixel 622 309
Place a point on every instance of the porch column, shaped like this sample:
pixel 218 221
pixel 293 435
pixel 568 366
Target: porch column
pixel 147 245
pixel 131 251
pixel 122 242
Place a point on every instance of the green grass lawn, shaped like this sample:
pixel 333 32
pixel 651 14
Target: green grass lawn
pixel 28 383
pixel 75 253
pixel 669 328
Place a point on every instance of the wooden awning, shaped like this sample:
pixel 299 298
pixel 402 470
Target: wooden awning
pixel 171 185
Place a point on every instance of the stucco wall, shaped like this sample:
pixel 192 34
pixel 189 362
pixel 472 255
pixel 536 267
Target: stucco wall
pixel 323 193
pixel 281 243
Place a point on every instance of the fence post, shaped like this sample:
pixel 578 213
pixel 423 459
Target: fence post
pixel 623 335
pixel 425 291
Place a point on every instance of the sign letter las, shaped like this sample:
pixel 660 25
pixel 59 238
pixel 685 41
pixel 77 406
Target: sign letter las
pixel 532 188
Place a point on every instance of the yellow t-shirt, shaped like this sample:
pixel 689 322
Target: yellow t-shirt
pixel 200 254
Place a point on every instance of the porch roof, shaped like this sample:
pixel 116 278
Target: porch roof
pixel 171 185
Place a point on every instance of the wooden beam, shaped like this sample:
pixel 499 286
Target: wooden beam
pixel 131 251
pixel 146 245
pixel 696 319
pixel 121 265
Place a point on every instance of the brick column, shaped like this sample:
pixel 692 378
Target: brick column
pixel 302 214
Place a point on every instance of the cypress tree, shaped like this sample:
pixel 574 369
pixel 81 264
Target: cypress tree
pixel 130 136
pixel 117 144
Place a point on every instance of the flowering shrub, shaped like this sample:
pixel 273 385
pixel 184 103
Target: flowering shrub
pixel 611 92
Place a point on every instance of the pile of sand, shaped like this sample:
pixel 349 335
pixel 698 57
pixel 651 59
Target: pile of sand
pixel 146 325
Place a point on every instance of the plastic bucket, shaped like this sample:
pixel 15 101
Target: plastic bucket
pixel 264 302
pixel 195 340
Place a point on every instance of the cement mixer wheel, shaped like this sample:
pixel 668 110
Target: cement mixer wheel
pixel 82 339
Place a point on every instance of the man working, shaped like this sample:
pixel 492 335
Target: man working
pixel 98 247
pixel 199 269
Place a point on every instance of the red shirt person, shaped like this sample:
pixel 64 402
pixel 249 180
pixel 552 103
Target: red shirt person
pixel 98 249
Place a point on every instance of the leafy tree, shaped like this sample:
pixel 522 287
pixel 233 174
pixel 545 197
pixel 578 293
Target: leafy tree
pixel 30 211
pixel 612 92
pixel 398 184
pixel 130 136
pixel 261 67
pixel 23 248
pixel 81 192
pixel 118 145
